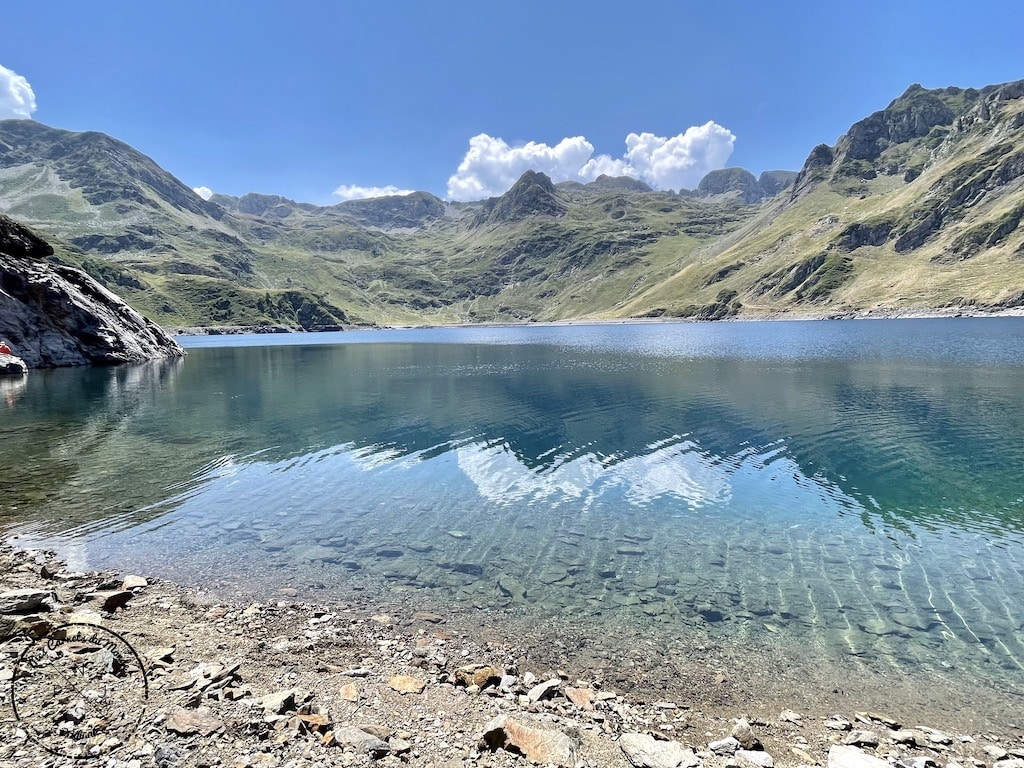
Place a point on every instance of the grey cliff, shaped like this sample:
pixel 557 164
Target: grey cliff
pixel 54 315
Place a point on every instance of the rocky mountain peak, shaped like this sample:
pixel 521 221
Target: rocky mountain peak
pixel 533 194
pixel 104 169
pixel 624 183
pixel 395 211
pixel 743 184
pixel 905 136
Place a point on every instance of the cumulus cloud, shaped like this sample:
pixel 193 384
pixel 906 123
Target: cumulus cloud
pixel 682 160
pixel 16 96
pixel 491 165
pixel 356 192
pixel 204 192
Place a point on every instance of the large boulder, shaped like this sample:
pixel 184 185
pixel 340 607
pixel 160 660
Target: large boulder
pixel 55 315
pixel 11 365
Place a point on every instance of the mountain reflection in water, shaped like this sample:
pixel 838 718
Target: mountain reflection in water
pixel 668 473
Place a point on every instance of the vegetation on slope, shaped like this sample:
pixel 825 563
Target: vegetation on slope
pixel 917 207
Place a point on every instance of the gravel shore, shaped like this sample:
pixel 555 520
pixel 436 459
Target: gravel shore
pixel 288 683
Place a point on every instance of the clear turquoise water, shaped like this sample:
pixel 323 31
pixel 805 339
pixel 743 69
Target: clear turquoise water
pixel 851 488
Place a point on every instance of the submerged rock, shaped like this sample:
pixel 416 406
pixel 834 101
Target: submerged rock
pixel 511 588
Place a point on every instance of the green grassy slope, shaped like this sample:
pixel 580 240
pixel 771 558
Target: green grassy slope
pixel 917 207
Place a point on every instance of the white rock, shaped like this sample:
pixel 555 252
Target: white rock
pixel 360 741
pixel 644 751
pixel 726 746
pixel 840 756
pixel 757 757
pixel 859 738
pixel 541 690
pixel 838 723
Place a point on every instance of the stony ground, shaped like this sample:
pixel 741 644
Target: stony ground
pixel 287 683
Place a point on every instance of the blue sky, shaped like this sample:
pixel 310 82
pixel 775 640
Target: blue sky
pixel 303 99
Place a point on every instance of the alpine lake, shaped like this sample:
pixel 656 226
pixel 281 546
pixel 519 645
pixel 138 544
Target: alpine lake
pixel 833 507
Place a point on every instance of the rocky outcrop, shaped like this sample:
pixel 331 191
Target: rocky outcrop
pixel 416 209
pixel 395 211
pixel 731 180
pixel 266 206
pixel 54 315
pixel 911 116
pixel 618 183
pixel 743 184
pixel 11 365
pixel 533 194
pixel 774 182
pixel 925 123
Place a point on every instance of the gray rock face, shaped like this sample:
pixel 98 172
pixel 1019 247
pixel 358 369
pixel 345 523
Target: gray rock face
pixel 54 315
pixel 727 180
pixel 533 194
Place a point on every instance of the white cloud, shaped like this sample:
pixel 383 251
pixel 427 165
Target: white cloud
pixel 680 161
pixel 356 192
pixel 204 192
pixel 16 96
pixel 491 165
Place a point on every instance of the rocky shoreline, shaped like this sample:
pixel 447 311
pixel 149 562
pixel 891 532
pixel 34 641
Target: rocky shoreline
pixel 290 683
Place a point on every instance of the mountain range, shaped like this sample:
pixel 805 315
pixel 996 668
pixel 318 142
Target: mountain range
pixel 916 208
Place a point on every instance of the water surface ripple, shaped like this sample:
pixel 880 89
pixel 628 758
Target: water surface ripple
pixel 850 488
